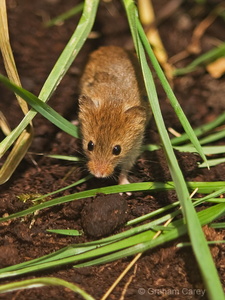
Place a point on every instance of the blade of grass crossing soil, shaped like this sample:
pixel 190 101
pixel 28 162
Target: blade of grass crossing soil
pixel 65 60
pixel 42 108
pixel 200 130
pixel 68 14
pixel 203 187
pixel 23 142
pixel 196 234
pixel 44 281
pixel 179 229
pixel 205 58
pixel 173 100
pixel 105 251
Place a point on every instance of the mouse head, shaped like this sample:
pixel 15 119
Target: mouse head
pixel 111 133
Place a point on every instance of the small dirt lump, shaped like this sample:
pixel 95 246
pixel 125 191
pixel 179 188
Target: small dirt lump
pixel 104 214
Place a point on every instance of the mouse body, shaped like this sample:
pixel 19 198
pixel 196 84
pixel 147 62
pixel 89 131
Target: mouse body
pixel 113 111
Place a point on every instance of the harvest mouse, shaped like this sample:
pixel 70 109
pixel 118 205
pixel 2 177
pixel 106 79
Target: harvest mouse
pixel 113 111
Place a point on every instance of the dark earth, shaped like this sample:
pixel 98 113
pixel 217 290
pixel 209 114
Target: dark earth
pixel 36 49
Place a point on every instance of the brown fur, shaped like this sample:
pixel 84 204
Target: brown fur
pixel 112 110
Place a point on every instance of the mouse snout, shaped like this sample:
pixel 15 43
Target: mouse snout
pixel 100 170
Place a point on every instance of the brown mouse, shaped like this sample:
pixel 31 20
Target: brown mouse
pixel 113 111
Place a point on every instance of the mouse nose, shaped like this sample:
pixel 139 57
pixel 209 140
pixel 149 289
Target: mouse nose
pixel 100 174
pixel 100 170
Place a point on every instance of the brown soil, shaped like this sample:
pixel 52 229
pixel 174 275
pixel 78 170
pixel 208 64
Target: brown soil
pixel 165 272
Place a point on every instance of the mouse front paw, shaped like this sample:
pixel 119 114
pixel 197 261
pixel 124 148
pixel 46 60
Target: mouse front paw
pixel 123 180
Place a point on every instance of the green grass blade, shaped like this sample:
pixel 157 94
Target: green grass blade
pixel 44 281
pixel 42 108
pixel 62 65
pixel 200 130
pixel 205 217
pixel 152 214
pixel 199 244
pixel 205 58
pixel 127 243
pixel 213 162
pixel 180 245
pixel 41 198
pixel 215 193
pixel 136 230
pixel 203 187
pixel 76 249
pixel 218 225
pixel 72 49
pixel 213 137
pixel 208 150
pixel 68 14
pixel 174 102
pixel 86 255
pixel 70 232
pixel 63 253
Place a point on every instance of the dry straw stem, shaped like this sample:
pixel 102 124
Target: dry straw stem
pixel 128 283
pixel 4 125
pixel 147 18
pixel 60 68
pixel 7 54
pixel 134 260
pixel 23 142
pixel 200 29
pixel 217 68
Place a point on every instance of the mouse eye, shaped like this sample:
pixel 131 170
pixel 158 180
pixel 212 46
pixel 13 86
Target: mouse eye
pixel 116 150
pixel 90 146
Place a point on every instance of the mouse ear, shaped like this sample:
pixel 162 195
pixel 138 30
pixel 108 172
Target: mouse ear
pixel 86 101
pixel 137 114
